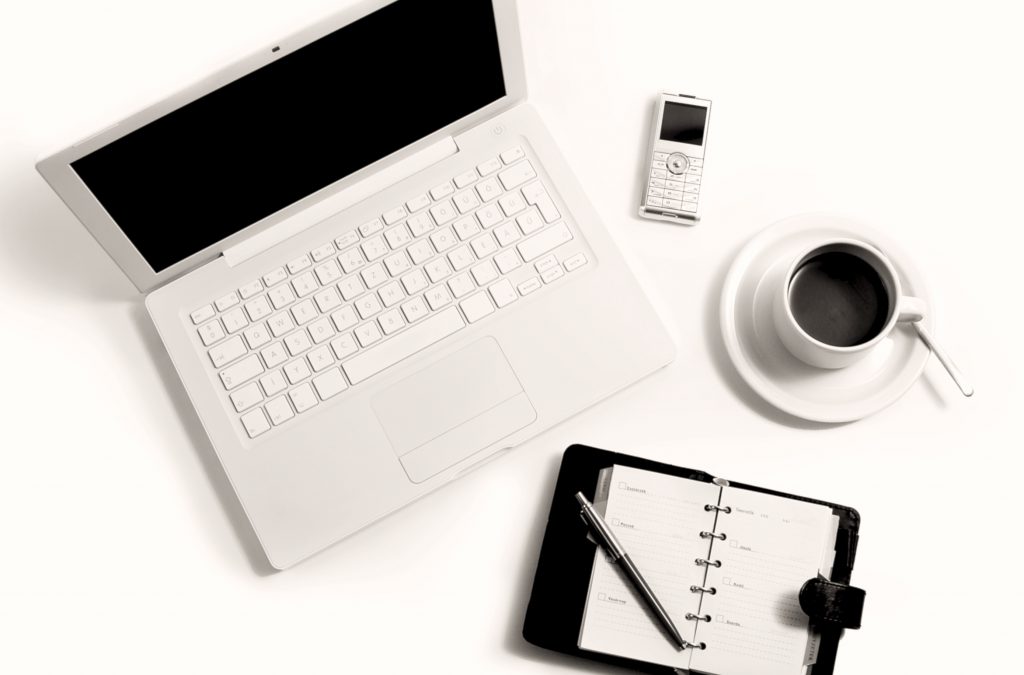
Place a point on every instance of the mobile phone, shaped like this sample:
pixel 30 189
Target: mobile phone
pixel 675 162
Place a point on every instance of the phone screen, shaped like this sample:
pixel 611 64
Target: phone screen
pixel 681 123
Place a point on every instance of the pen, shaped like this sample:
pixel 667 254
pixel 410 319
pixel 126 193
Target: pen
pixel 619 556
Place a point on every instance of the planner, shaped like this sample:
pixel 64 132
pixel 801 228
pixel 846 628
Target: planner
pixel 756 580
pixel 727 563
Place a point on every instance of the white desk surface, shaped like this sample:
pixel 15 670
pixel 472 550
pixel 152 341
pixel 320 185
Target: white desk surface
pixel 122 548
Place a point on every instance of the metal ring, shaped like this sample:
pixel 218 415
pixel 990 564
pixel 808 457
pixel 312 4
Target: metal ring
pixel 694 645
pixel 710 563
pixel 715 507
pixel 697 617
pixel 712 535
pixel 711 590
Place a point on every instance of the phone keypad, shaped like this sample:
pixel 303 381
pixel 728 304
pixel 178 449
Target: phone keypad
pixel 675 191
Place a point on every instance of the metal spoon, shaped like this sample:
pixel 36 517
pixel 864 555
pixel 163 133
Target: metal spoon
pixel 965 388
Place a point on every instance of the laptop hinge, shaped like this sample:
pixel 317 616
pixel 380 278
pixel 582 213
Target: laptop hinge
pixel 353 194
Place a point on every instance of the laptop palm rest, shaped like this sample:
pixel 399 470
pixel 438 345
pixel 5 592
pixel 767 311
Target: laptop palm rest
pixel 452 409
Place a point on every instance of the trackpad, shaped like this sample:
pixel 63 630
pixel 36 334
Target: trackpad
pixel 452 409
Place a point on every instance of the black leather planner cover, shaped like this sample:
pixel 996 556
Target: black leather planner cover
pixel 555 610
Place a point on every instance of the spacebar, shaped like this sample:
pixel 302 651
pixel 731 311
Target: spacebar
pixel 403 345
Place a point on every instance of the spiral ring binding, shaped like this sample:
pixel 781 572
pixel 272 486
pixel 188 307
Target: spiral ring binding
pixel 711 590
pixel 713 535
pixel 710 563
pixel 694 645
pixel 698 617
pixel 716 507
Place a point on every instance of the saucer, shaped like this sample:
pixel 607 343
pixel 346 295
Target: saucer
pixel 817 394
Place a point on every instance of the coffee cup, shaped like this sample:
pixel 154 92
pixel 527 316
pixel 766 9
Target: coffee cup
pixel 837 300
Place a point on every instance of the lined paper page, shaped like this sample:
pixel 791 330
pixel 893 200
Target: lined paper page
pixel 773 546
pixel 658 520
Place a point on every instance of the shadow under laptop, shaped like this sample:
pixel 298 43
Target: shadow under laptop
pixel 520 596
pixel 201 444
pixel 45 247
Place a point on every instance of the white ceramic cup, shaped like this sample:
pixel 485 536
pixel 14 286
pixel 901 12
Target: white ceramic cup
pixel 823 355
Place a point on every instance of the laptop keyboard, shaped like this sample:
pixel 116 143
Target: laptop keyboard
pixel 306 331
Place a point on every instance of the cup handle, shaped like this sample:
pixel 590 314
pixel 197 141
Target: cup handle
pixel 912 309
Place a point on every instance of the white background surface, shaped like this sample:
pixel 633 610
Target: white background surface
pixel 122 548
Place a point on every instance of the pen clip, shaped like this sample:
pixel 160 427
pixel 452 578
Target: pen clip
pixel 590 529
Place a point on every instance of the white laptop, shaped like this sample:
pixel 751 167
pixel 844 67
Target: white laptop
pixel 368 261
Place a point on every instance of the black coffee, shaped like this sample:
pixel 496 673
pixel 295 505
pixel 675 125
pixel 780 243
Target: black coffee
pixel 839 299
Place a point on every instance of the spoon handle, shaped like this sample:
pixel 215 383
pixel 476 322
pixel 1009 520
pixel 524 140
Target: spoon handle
pixel 965 388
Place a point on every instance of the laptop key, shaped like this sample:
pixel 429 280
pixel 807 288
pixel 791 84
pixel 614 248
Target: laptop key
pixel 320 358
pixel 304 284
pixel 344 346
pixel 246 397
pixel 322 252
pixel 281 296
pixel 256 335
pixel 394 215
pixel 545 241
pixel 227 351
pixel 443 212
pixel 273 383
pixel 255 423
pixel 274 355
pixel 414 310
pixel 296 371
pixel 375 248
pixel 466 201
pixel 367 334
pixel 280 324
pixel 321 331
pixel 297 342
pixel 417 203
pixel 464 179
pixel 299 264
pixel 241 372
pixel 397 264
pixel 328 273
pixel 372 227
pixel 529 286
pixel 279 410
pixel 488 189
pixel 275 277
pixel 476 307
pixel 258 308
pixel 513 155
pixel 211 332
pixel 330 384
pixel 304 312
pixel 391 321
pixel 517 175
pixel 441 191
pixel 351 260
pixel 229 300
pixel 303 398
pixel 420 224
pixel 461 285
pixel 202 314
pixel 489 167
pixel 350 238
pixel 503 293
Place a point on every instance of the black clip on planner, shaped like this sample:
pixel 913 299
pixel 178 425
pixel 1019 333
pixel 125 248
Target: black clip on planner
pixel 560 585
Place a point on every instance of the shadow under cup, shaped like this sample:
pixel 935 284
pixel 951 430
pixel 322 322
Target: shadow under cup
pixel 841 295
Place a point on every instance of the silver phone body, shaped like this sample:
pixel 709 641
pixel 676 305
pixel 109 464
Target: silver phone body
pixel 675 161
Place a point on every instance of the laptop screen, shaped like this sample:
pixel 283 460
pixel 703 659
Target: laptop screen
pixel 270 138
